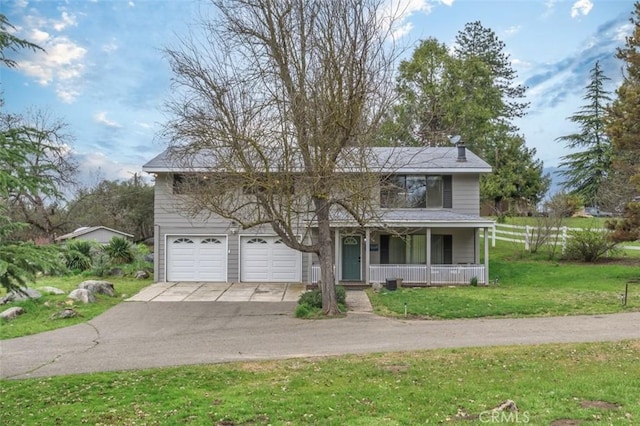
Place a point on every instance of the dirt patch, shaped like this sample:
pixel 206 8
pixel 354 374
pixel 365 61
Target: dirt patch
pixel 599 404
pixel 566 422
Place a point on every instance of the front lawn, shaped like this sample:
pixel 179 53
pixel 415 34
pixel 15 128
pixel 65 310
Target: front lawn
pixel 526 287
pixel 586 384
pixel 39 311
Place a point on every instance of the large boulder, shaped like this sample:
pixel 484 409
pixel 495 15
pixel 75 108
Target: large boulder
pixel 50 290
pixel 82 295
pixel 12 313
pixel 97 286
pixel 22 294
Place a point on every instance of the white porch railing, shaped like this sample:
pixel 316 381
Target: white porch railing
pixel 315 273
pixel 417 274
pixel 456 274
pixel 408 273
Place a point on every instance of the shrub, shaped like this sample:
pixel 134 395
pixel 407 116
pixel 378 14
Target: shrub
pixel 588 245
pixel 120 250
pixel 303 311
pixel 77 255
pixel 313 298
pixel 473 282
pixel 101 262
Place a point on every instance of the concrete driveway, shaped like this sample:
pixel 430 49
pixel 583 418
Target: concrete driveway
pixel 139 335
pixel 219 292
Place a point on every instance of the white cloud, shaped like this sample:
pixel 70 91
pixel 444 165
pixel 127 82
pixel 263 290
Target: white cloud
pixel 65 21
pixel 21 4
pixel 512 30
pixel 550 8
pixel 400 11
pixel 38 37
pixel 67 94
pixel 62 61
pixel 96 166
pixel 581 7
pixel 447 2
pixel 110 47
pixel 101 118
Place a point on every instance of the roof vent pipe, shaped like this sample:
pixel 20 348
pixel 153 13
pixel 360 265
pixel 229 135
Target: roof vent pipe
pixel 462 152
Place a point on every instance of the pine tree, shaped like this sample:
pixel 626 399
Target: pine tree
pixel 623 127
pixel 476 41
pixel 586 169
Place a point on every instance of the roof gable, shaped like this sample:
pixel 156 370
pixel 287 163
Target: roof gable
pixel 88 230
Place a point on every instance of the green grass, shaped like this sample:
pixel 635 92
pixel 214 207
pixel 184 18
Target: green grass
pixel 38 311
pixel 590 383
pixel 528 285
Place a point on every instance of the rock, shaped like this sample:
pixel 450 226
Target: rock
pixel 141 275
pixel 96 286
pixel 82 295
pixel 22 294
pixel 65 313
pixel 50 290
pixel 12 313
pixel 116 272
pixel 148 257
pixel 376 286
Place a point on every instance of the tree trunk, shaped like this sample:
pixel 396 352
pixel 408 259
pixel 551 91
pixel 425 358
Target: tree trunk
pixel 325 256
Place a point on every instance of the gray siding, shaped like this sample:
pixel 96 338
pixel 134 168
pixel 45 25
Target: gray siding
pixel 464 244
pixel 466 194
pixel 170 220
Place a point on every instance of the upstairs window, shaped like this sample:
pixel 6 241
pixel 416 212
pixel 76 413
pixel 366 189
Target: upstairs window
pixel 188 183
pixel 414 191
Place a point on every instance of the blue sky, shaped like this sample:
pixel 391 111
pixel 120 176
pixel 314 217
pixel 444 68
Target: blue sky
pixel 104 72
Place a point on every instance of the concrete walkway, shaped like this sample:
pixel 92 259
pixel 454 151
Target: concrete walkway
pixel 357 300
pixel 219 292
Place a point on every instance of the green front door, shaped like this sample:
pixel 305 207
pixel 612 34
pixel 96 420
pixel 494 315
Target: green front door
pixel 351 258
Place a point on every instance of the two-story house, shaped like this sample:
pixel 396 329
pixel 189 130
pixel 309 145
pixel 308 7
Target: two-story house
pixel 426 229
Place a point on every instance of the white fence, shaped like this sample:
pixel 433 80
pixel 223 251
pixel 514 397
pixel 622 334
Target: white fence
pixel 417 274
pixel 529 235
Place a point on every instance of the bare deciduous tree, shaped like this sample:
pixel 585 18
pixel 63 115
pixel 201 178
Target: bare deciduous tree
pixel 49 160
pixel 277 102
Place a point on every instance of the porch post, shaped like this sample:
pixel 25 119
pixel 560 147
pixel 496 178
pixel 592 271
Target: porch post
pixel 367 244
pixel 336 257
pixel 486 256
pixel 428 256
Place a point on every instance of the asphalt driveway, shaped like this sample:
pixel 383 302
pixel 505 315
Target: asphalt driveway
pixel 138 335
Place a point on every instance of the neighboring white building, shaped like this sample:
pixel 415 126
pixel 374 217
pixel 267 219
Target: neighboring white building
pixel 100 234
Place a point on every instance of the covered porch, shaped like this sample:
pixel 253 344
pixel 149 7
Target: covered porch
pixel 421 253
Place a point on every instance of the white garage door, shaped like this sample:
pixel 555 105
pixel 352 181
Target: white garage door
pixel 268 259
pixel 201 258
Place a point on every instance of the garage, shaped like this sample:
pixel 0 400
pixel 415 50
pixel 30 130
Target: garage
pixel 196 258
pixel 268 259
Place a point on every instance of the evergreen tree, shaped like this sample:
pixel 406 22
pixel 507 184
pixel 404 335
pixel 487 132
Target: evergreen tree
pixel 517 175
pixel 468 91
pixel 476 41
pixel 586 169
pixel 19 262
pixel 623 127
